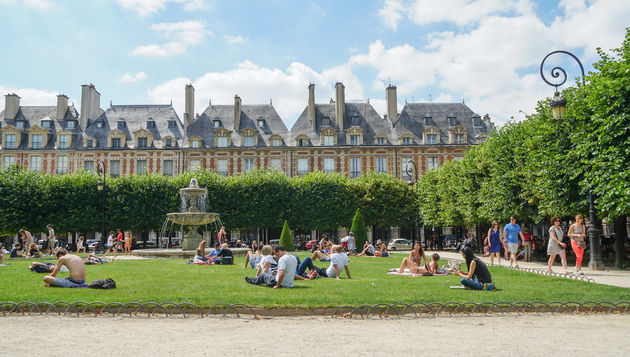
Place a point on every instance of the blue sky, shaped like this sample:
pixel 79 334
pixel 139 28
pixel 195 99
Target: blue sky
pixel 485 52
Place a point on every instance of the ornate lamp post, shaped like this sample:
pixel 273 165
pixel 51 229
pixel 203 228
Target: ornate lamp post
pixel 558 109
pixel 100 185
pixel 412 172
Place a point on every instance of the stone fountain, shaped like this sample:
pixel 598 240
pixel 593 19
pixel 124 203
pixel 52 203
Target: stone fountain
pixel 192 217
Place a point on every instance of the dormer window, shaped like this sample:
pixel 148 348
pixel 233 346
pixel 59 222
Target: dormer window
pixel 261 123
pixel 121 125
pixel 452 121
pixel 354 139
pixel 36 141
pixel 380 140
pixel 99 124
pixel 428 121
pixel 19 124
pixel 71 124
pixel 142 142
pixel 458 138
pixel 329 140
pixel 150 124
pixel 89 143
pixel 476 121
pixel 9 141
pixel 216 123
pixel 46 124
pixel 406 140
pixel 116 143
pixel 222 141
pixel 431 139
pixel 355 121
pixel 325 121
pixel 169 142
pixel 195 144
pixel 171 123
pixel 302 142
pixel 63 141
pixel 276 142
pixel 248 141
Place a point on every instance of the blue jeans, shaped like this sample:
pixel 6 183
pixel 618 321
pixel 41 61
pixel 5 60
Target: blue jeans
pixel 472 283
pixel 306 263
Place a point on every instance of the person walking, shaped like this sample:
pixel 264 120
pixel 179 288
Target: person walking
pixel 27 238
pixel 577 233
pixel 511 233
pixel 52 241
pixel 556 246
pixel 527 244
pixel 494 236
pixel 222 236
pixel 111 245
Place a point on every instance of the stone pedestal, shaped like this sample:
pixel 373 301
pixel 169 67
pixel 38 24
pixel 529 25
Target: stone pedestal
pixel 191 240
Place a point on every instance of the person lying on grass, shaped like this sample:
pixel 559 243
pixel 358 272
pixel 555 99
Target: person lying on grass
pixel 415 259
pixel 430 268
pixel 338 261
pixel 478 276
pixel 74 264
pixel 45 267
pixel 94 260
pixel 287 266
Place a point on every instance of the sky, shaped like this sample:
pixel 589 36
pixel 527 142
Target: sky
pixel 486 53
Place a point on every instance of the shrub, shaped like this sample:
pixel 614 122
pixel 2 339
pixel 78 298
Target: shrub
pixel 359 229
pixel 286 240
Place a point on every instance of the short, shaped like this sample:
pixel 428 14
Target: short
pixel 369 254
pixel 513 247
pixel 253 262
pixel 385 255
pixel 69 283
pixel 325 259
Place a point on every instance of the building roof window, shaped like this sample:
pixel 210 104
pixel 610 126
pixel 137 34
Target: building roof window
pixel 261 122
pixel 356 120
pixel 216 123
pixel 71 124
pixel 121 124
pixel 150 124
pixel 171 123
pixel 452 121
pixel 99 124
pixel 428 121
pixel 325 121
pixel 20 124
pixel 476 121
pixel 46 124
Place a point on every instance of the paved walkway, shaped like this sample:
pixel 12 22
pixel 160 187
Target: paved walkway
pixel 609 276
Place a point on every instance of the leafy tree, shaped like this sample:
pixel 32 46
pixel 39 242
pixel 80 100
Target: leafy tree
pixel 286 239
pixel 359 229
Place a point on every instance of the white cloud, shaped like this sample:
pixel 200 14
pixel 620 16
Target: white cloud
pixel 148 7
pixel 316 8
pixel 132 78
pixel 391 12
pixel 32 96
pixel 256 85
pixel 235 39
pixel 180 34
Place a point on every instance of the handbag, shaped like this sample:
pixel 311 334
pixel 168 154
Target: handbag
pixel 581 243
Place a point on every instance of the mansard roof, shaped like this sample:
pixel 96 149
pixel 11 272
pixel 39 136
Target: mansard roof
pixel 35 114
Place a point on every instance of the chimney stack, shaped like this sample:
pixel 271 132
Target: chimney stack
pixel 237 113
pixel 62 106
pixel 311 105
pixel 11 106
pixel 392 104
pixel 189 106
pixel 90 104
pixel 340 104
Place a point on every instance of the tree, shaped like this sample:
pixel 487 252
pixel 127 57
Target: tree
pixel 286 240
pixel 358 229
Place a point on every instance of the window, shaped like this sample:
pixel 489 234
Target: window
pixel 302 142
pixel 114 168
pixel 380 141
pixel 329 140
pixel 428 121
pixel 99 124
pixel 116 143
pixel 222 167
pixel 9 141
pixel 458 158
pixel 142 142
pixel 459 138
pixel 222 141
pixel 276 164
pixel 141 167
pixel 169 142
pixel 355 121
pixel 194 144
pixel 381 164
pixel 36 163
pixel 432 163
pixel 168 167
pixel 477 121
pixel 36 141
pixel 248 141
pixel 19 124
pixel 62 164
pixel 216 123
pixel 89 143
pixel 355 167
pixel 46 124
pixel 121 125
pixel 150 124
pixel 248 165
pixel 194 164
pixel 452 121
pixel 302 166
pixel 406 165
pixel 431 139
pixel 88 165
pixel 261 123
pixel 71 124
pixel 406 140
pixel 276 142
pixel 171 123
pixel 329 165
pixel 63 141
pixel 325 121
pixel 354 140
pixel 8 160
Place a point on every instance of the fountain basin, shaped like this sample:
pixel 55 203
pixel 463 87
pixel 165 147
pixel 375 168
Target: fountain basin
pixel 192 218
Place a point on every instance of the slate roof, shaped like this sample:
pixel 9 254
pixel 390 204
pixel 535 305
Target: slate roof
pixel 369 121
pixel 34 115
pixel 411 121
pixel 250 113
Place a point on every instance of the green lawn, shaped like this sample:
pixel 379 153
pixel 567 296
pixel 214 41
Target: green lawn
pixel 163 280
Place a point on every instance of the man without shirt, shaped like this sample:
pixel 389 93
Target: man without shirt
pixel 287 266
pixel 74 264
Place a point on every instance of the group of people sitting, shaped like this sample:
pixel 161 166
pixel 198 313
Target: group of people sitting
pixel 221 254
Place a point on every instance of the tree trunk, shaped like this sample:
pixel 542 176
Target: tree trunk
pixel 620 237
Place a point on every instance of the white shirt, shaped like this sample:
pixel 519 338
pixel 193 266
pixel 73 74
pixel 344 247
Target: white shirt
pixel 338 259
pixel 110 241
pixel 288 263
pixel 267 259
pixel 370 248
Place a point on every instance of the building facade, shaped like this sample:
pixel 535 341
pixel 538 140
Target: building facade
pixel 350 138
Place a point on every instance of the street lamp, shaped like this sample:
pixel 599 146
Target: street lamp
pixel 100 185
pixel 412 172
pixel 558 109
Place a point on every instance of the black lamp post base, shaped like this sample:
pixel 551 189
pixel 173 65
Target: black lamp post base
pixel 596 265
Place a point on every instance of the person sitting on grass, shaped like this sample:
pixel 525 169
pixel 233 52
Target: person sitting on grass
pixel 94 260
pixel 267 263
pixel 81 245
pixel 368 249
pixel 323 255
pixel 200 253
pixel 225 256
pixel 17 249
pixel 75 266
pixel 382 249
pixel 414 261
pixel 287 266
pixel 478 276
pixel 338 261
pixel 33 251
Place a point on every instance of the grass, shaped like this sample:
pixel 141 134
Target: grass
pixel 163 280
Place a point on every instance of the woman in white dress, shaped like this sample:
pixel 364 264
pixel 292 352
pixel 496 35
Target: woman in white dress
pixel 556 246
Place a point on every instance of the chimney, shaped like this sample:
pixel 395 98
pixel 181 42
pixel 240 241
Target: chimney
pixel 392 104
pixel 90 104
pixel 340 104
pixel 311 105
pixel 11 106
pixel 62 106
pixel 189 106
pixel 237 112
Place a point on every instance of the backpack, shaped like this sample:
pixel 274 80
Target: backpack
pixel 103 284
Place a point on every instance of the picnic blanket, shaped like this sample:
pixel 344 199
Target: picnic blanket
pixel 413 275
